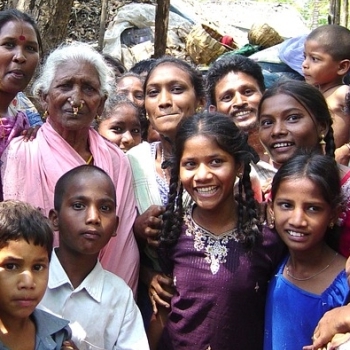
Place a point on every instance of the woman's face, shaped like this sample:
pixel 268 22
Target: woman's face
pixel 76 84
pixel 19 53
pixel 286 126
pixel 170 97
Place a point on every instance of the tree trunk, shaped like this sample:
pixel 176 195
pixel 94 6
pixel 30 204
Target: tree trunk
pixel 334 12
pixel 345 13
pixel 161 27
pixel 52 17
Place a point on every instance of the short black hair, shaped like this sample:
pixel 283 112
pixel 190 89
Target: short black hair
pixel 67 178
pixel 20 220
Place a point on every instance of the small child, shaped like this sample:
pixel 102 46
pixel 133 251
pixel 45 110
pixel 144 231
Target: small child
pixel 130 85
pixel 26 241
pixel 97 302
pixel 219 259
pixel 327 61
pixel 311 280
pixel 120 123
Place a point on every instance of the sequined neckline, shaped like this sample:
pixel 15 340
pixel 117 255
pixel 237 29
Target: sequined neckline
pixel 213 246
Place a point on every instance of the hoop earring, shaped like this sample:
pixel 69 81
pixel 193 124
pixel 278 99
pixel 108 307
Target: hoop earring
pixel 322 141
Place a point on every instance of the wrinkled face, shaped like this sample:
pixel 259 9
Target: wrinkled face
pixel 76 84
pixel 87 217
pixel 24 272
pixel 170 97
pixel 318 66
pixel 238 95
pixel 286 126
pixel 19 52
pixel 132 88
pixel 123 127
pixel 302 216
pixel 208 173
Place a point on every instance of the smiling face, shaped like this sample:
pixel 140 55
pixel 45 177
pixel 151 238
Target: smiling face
pixel 74 82
pixel 238 95
pixel 318 66
pixel 170 97
pixel 208 173
pixel 132 88
pixel 87 217
pixel 123 127
pixel 286 126
pixel 19 52
pixel 302 216
pixel 24 271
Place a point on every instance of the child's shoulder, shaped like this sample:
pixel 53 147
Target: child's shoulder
pixel 113 282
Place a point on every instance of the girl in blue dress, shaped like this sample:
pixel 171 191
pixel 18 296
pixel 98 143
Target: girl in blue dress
pixel 311 279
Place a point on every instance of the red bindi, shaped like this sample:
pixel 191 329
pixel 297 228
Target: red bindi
pixel 22 37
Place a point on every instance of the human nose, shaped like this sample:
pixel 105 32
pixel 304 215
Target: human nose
pixel 202 173
pixel 93 215
pixel 26 280
pixel 127 137
pixel 164 98
pixel 304 65
pixel 297 218
pixel 239 99
pixel 278 129
pixel 19 55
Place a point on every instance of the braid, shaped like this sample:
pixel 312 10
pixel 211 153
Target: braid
pixel 330 144
pixel 250 228
pixel 172 217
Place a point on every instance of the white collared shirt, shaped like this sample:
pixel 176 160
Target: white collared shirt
pixel 103 305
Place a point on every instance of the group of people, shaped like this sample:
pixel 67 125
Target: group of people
pixel 188 212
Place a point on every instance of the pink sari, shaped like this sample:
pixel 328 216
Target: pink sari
pixel 30 171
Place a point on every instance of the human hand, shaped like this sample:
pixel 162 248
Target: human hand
pixel 266 188
pixel 160 291
pixel 147 226
pixel 30 134
pixel 334 321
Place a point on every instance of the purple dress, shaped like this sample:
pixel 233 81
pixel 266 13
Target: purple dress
pixel 220 290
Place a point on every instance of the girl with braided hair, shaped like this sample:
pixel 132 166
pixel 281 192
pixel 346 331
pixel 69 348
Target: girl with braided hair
pixel 218 256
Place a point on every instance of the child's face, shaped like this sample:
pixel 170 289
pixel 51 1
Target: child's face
pixel 286 126
pixel 132 88
pixel 302 216
pixel 122 128
pixel 24 271
pixel 87 217
pixel 238 95
pixel 208 173
pixel 318 66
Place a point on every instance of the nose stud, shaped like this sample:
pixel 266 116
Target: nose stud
pixel 76 109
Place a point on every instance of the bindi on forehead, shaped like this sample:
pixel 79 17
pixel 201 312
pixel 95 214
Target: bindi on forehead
pixel 22 37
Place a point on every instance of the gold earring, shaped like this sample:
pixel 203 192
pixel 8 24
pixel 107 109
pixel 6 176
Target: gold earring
pixel 331 225
pixel 272 223
pixel 322 141
pixel 45 115
pixel 198 109
pixel 147 117
pixel 98 118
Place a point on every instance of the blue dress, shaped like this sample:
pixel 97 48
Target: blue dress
pixel 292 313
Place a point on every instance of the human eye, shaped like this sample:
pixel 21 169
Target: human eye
pixel 216 162
pixel 284 205
pixel 314 59
pixel 152 92
pixel 136 131
pixel 177 89
pixel 249 92
pixel 117 129
pixel 294 117
pixel 226 98
pixel 106 208
pixel 139 96
pixel 39 267
pixel 78 206
pixel 8 44
pixel 10 266
pixel 89 88
pixel 32 48
pixel 188 164
pixel 265 122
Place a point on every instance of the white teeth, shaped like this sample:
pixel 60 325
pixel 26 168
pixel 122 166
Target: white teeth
pixel 206 190
pixel 295 234
pixel 282 144
pixel 241 114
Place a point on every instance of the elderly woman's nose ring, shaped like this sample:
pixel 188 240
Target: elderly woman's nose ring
pixel 76 109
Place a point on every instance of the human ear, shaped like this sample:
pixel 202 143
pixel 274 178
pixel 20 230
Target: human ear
pixel 212 109
pixel 116 226
pixel 344 66
pixel 53 216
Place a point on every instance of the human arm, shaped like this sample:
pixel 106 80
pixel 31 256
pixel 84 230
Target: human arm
pixel 30 134
pixel 342 154
pixel 334 321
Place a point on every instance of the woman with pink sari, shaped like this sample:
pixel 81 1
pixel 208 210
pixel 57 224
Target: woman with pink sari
pixel 73 87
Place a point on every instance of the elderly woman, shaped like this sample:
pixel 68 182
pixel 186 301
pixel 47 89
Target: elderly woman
pixel 73 87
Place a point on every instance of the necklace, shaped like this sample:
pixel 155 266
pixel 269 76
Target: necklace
pixel 161 165
pixel 332 87
pixel 312 276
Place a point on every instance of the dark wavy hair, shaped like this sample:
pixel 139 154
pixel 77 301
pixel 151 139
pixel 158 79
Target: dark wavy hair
pixel 229 138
